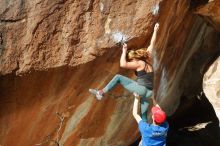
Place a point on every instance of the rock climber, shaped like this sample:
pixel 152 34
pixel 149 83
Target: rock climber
pixel 152 134
pixel 141 61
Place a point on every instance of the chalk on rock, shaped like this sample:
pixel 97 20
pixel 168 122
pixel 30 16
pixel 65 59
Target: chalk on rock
pixel 155 9
pixel 118 37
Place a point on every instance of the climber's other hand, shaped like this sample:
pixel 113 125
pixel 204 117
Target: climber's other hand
pixel 125 47
pixel 156 27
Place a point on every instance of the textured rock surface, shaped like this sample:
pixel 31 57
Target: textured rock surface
pixel 181 61
pixel 211 13
pixel 51 52
pixel 62 32
pixel 211 85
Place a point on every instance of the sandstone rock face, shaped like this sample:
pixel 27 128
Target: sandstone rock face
pixel 66 32
pixel 211 13
pixel 52 52
pixel 211 85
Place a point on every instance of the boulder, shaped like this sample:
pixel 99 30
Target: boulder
pixel 52 52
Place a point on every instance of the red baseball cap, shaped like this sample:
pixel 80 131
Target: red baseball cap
pixel 158 114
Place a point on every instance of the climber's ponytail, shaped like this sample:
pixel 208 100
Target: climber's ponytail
pixel 140 54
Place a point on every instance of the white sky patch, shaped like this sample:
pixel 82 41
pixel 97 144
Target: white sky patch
pixel 155 9
pixel 118 36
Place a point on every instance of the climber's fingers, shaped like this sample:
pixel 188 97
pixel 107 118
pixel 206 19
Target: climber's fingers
pixel 125 45
pixel 156 27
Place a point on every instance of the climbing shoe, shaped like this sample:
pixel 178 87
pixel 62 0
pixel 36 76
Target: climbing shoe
pixel 96 93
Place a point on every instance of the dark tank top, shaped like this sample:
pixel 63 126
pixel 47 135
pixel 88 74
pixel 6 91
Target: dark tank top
pixel 145 78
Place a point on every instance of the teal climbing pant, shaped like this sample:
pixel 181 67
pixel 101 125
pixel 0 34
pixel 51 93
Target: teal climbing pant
pixel 132 86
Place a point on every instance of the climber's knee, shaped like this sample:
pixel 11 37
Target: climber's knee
pixel 149 93
pixel 118 76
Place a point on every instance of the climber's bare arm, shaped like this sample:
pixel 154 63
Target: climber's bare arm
pixel 130 65
pixel 135 109
pixel 124 63
pixel 153 39
pixel 154 101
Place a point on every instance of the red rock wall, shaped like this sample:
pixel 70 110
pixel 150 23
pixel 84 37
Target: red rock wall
pixel 52 52
pixel 66 32
pixel 186 46
pixel 211 13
